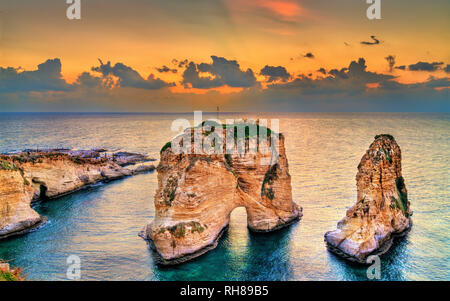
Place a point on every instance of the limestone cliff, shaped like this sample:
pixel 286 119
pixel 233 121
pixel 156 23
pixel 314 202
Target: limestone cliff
pixel 381 212
pixel 16 214
pixel 31 176
pixel 197 193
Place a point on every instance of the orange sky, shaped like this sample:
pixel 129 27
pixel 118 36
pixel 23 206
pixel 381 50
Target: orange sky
pixel 256 33
pixel 147 35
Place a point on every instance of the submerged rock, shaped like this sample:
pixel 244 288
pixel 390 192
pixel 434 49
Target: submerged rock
pixel 197 193
pixel 31 176
pixel 382 210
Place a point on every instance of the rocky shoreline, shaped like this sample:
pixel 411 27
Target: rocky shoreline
pixel 32 176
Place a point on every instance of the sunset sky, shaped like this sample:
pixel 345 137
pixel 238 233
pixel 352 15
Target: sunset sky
pixel 241 55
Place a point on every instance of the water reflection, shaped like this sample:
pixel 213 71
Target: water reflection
pixel 240 255
pixel 393 264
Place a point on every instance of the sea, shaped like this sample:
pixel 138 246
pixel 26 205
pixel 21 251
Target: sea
pixel 100 224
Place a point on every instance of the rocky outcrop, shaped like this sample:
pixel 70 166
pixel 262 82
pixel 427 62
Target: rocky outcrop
pixel 197 193
pixel 31 176
pixel 381 212
pixel 9 274
pixel 16 214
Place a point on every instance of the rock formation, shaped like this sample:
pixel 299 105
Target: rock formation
pixel 381 212
pixel 197 193
pixel 9 274
pixel 31 176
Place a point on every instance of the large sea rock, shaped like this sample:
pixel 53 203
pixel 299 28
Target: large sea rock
pixel 197 193
pixel 382 210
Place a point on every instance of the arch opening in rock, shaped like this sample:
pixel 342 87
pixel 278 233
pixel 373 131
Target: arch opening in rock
pixel 197 193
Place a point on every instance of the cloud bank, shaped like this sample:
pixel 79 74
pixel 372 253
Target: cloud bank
pixel 118 87
pixel 221 72
pixel 46 78
pixel 275 73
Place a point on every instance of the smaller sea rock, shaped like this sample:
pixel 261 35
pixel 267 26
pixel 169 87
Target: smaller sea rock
pixel 382 211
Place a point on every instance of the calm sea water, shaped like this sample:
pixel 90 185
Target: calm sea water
pixel 100 224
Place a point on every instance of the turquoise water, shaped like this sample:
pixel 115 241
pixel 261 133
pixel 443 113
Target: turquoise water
pixel 100 224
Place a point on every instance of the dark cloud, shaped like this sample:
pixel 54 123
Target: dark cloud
pixel 47 77
pixel 374 42
pixel 402 67
pixel 191 76
pixel 447 69
pixel 222 72
pixel 341 89
pixel 424 66
pixel 351 79
pixel 180 64
pixel 88 80
pixel 339 73
pixel 275 73
pixel 348 89
pixel 165 69
pixel 309 55
pixel 356 71
pixel 128 77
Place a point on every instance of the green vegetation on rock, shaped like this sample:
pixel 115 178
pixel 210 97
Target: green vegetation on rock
pixel 403 198
pixel 5 165
pixel 7 276
pixel 193 160
pixel 179 230
pixel 269 177
pixel 386 154
pixel 169 192
pixel 166 146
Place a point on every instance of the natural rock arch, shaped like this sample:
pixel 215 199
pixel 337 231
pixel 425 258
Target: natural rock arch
pixel 197 193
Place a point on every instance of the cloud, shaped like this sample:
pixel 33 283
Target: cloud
pixel 275 73
pixel 402 67
pixel 375 41
pixel 88 80
pixel 308 55
pixel 348 80
pixel 354 89
pixel 221 72
pixel 348 88
pixel 128 77
pixel 47 77
pixel 339 73
pixel 424 66
pixel 447 69
pixel 180 64
pixel 165 69
pixel 391 62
